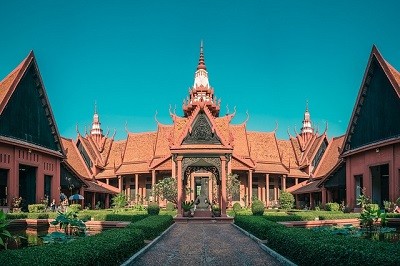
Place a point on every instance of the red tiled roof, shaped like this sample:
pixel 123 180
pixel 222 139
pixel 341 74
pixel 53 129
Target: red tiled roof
pixel 271 168
pixel 140 147
pixel 308 186
pixel 395 73
pixel 100 187
pixel 263 146
pixel 137 167
pixel 296 148
pixel 116 154
pixel 162 141
pixel 105 151
pixel 330 157
pixel 74 159
pixel 89 148
pixel 287 151
pixel 11 80
pixel 179 127
pixel 240 140
pixel 222 125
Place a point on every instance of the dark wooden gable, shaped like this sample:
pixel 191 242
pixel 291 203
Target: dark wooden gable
pixel 201 132
pixel 376 114
pixel 27 115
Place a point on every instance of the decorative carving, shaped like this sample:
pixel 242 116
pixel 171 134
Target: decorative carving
pixel 202 132
pixel 193 164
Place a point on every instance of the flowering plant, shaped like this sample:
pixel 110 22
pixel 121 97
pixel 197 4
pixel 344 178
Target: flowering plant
pixel 16 202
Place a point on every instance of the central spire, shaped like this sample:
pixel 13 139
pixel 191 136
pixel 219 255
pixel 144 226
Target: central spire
pixel 201 94
pixel 201 75
pixel 201 64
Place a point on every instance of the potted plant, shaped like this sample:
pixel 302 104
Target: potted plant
pixel 216 210
pixel 16 202
pixel 186 206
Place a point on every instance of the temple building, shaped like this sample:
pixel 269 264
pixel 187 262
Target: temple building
pixel 199 148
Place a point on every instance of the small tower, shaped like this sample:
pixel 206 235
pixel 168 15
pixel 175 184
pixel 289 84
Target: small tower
pixel 96 132
pixel 306 131
pixel 201 93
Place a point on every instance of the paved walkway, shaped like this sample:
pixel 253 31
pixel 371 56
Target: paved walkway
pixel 205 244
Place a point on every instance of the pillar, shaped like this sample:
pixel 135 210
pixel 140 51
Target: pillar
pixel 250 177
pixel 262 184
pixel 40 182
pixel 81 192
pixel 276 188
pixel 192 187
pixel 296 180
pixel 223 186
pixel 267 189
pixel 283 184
pixel 323 192
pixel 297 201
pixel 128 187
pixel 153 183
pixel 107 203
pixel 136 188
pixel 120 183
pixel 93 200
pixel 311 201
pixel 179 181
pixel 107 181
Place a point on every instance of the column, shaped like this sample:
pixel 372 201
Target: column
pixel 296 180
pixel 128 187
pixel 81 192
pixel 223 186
pixel 40 181
pixel 153 183
pixel 276 188
pixel 120 183
pixel 107 181
pixel 311 201
pixel 107 203
pixel 283 185
pixel 93 200
pixel 323 198
pixel 136 188
pixel 267 189
pixel 179 181
pixel 297 201
pixel 192 186
pixel 262 183
pixel 173 170
pixel 250 177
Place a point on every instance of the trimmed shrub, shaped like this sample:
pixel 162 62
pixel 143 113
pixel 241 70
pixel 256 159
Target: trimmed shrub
pixel 17 215
pixel 332 206
pixel 257 207
pixel 336 249
pixel 153 225
pixel 75 207
pixel 237 207
pixel 372 207
pixel 111 247
pixel 38 215
pixel 286 200
pixel 153 208
pixel 170 206
pixel 36 207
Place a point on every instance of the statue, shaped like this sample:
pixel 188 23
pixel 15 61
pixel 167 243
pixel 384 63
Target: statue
pixel 202 202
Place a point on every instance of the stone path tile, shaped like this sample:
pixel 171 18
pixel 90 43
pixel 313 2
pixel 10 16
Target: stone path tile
pixel 205 244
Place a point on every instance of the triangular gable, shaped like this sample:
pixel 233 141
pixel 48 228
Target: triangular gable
pixel 201 131
pixel 375 114
pixel 25 111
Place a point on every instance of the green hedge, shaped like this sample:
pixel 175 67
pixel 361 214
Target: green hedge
pixel 153 226
pixel 111 247
pixel 36 207
pixel 306 247
pixel 392 215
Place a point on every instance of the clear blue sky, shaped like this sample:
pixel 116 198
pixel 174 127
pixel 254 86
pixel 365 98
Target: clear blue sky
pixel 136 57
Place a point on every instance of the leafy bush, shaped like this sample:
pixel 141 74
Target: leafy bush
pixel 257 207
pixel 286 200
pixel 38 215
pixel 237 207
pixel 398 201
pixel 153 226
pixel 36 207
pixel 332 206
pixel 336 249
pixel 75 207
pixel 153 208
pixel 170 206
pixel 119 201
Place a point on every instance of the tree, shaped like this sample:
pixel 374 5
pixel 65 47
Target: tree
pixel 286 200
pixel 119 201
pixel 167 188
pixel 232 186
